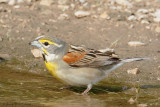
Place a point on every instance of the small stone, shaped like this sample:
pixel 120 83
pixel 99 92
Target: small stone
pixel 144 11
pixel 131 18
pixel 36 53
pixel 29 1
pixel 144 21
pixel 12 2
pixel 156 15
pixel 157 19
pixel 138 0
pixel 142 105
pixel 62 2
pixel 73 6
pixel 157 29
pixel 63 7
pixel 125 3
pixel 20 1
pixel 131 26
pixel 17 6
pixel 107 50
pixel 133 71
pixel 104 16
pixel 82 1
pixel 85 5
pixel 114 56
pixel 148 27
pixel 136 43
pixel 140 16
pixel 63 16
pixel 46 2
pixel 131 101
pixel 94 16
pixel 158 78
pixel 80 14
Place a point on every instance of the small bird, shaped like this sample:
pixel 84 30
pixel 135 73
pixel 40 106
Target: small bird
pixel 76 65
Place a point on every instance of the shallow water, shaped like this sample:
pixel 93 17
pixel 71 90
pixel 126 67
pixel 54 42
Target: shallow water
pixel 25 89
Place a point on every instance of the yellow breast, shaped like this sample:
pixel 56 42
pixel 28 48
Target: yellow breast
pixel 52 67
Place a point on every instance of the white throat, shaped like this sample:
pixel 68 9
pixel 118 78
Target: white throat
pixel 52 57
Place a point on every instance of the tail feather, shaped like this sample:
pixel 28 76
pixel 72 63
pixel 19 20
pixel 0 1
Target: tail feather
pixel 123 62
pixel 134 59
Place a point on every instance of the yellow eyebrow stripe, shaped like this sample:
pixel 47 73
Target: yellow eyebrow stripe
pixel 43 41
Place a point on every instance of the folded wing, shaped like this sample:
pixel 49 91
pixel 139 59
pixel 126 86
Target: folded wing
pixel 85 57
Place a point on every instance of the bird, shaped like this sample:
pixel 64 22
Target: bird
pixel 77 65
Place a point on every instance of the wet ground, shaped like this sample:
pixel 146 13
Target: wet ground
pixel 24 80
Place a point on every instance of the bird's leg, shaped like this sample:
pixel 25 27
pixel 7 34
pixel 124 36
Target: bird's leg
pixel 89 86
pixel 65 87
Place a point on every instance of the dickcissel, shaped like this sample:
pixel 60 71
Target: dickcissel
pixel 75 65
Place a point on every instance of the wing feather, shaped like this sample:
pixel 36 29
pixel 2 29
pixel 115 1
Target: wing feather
pixel 85 57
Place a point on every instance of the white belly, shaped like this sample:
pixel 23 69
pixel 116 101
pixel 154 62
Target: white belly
pixel 80 76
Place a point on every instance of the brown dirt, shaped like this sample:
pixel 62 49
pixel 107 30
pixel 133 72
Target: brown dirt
pixel 20 26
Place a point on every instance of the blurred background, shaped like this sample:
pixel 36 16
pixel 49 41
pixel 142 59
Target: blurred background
pixel 130 27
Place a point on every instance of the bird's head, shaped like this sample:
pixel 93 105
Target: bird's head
pixel 50 46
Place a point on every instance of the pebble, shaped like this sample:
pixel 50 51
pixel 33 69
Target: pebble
pixel 63 7
pixel 157 29
pixel 104 16
pixel 62 2
pixel 142 105
pixel 156 15
pixel 131 26
pixel 46 2
pixel 157 19
pixel 107 50
pixel 131 101
pixel 82 1
pixel 73 6
pixel 29 1
pixel 36 53
pixel 133 71
pixel 80 14
pixel 148 27
pixel 125 3
pixel 63 16
pixel 144 11
pixel 144 21
pixel 20 1
pixel 136 43
pixel 17 6
pixel 131 18
pixel 141 16
pixel 138 0
pixel 12 2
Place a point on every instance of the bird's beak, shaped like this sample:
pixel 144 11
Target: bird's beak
pixel 35 43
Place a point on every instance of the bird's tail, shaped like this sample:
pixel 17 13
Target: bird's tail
pixel 133 59
pixel 123 61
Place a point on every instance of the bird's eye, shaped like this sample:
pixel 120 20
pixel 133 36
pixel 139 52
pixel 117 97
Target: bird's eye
pixel 46 43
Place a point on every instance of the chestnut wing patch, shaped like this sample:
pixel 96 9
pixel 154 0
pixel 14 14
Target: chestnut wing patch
pixel 84 57
pixel 73 57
